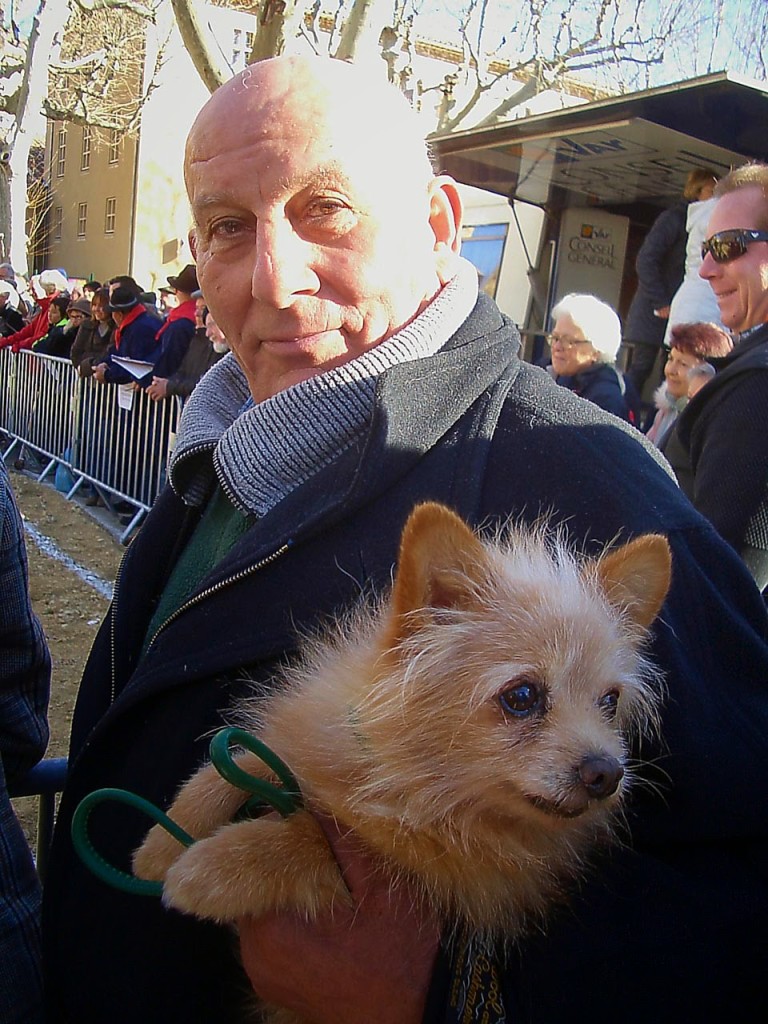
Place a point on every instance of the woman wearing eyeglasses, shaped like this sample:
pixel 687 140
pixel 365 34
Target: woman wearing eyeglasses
pixel 584 343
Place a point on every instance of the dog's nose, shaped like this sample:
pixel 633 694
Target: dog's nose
pixel 600 776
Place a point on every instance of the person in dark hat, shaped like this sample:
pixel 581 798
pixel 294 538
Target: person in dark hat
pixel 134 338
pixel 79 310
pixel 179 325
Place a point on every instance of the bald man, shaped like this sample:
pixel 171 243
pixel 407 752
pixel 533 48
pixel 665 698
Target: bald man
pixel 367 375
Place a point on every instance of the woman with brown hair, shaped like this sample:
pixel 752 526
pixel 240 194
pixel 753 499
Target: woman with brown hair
pixel 692 345
pixel 95 335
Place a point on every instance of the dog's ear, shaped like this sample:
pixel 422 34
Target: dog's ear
pixel 440 561
pixel 636 577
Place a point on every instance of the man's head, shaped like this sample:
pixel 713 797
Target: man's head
pixel 735 255
pixel 320 229
pixel 184 284
pixel 121 301
pixel 214 334
pixel 126 282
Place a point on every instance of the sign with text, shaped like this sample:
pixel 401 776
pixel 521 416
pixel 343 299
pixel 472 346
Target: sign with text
pixel 591 253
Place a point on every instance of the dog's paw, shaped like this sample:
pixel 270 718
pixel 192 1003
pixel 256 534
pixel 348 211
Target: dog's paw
pixel 208 882
pixel 156 855
pixel 253 867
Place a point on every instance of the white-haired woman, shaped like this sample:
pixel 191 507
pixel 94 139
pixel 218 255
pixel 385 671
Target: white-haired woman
pixel 584 343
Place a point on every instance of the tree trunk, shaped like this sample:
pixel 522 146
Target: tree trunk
pixel 360 35
pixel 278 23
pixel 43 45
pixel 195 38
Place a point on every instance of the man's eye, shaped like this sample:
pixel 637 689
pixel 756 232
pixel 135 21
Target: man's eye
pixel 325 208
pixel 227 229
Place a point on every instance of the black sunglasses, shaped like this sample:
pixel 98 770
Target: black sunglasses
pixel 725 246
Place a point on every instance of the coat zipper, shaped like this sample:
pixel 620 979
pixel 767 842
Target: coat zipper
pixel 202 596
pixel 187 604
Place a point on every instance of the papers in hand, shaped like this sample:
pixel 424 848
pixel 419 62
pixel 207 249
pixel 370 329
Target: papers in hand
pixel 135 367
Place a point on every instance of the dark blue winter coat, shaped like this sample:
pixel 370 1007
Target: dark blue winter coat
pixel 660 266
pixel 138 341
pixel 601 384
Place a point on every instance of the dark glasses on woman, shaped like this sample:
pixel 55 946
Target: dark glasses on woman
pixel 725 246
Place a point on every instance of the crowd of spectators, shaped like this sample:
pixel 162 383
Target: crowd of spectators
pixel 98 324
pixel 115 334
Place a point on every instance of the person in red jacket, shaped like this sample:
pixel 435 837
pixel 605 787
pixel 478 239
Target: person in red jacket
pixel 53 284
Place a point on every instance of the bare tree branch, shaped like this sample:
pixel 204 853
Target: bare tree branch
pixel 196 39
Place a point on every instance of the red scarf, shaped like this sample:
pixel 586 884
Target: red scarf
pixel 186 311
pixel 134 314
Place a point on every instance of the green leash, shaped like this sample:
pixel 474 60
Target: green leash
pixel 285 799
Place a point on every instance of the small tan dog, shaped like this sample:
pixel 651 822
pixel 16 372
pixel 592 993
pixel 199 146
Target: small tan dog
pixel 472 730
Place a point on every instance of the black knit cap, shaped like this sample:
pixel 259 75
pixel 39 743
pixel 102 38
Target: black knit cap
pixel 122 300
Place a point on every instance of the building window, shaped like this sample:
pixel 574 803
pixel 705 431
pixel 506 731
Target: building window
pixel 58 221
pixel 242 44
pixel 483 245
pixel 85 153
pixel 61 153
pixel 114 146
pixel 82 217
pixel 109 216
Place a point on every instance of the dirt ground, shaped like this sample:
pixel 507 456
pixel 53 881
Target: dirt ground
pixel 69 608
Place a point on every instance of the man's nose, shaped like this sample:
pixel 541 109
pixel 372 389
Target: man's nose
pixel 708 267
pixel 283 267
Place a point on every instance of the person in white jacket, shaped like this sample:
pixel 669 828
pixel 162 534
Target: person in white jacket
pixel 694 301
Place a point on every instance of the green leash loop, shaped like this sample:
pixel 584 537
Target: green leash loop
pixel 92 858
pixel 285 799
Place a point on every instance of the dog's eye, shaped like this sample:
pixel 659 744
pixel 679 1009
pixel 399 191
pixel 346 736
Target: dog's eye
pixel 609 703
pixel 523 699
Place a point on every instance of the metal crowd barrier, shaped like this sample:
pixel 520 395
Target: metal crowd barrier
pixel 104 435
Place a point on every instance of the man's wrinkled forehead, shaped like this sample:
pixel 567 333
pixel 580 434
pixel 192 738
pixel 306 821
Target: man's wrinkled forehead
pixel 327 103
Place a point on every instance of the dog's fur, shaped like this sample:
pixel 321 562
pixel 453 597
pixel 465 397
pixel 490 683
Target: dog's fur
pixel 472 730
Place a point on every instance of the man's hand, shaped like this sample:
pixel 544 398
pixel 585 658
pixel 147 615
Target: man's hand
pixel 99 370
pixel 371 964
pixel 158 389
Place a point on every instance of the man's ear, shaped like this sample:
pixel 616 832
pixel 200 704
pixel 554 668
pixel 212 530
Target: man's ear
pixel 192 239
pixel 445 218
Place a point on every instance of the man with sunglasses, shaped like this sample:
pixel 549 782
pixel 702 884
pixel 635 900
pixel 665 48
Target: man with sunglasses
pixel 726 425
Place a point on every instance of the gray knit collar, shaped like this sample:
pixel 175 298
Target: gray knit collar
pixel 261 452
